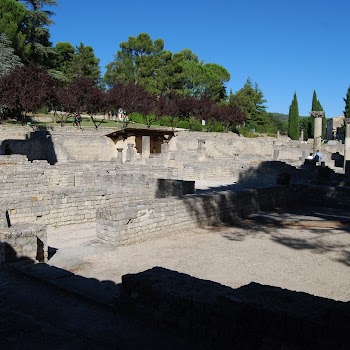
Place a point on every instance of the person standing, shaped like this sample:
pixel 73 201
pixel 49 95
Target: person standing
pixel 79 120
pixel 318 156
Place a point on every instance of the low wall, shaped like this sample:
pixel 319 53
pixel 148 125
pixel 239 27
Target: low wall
pixel 23 241
pixel 328 196
pixel 251 317
pixel 120 225
pixel 59 205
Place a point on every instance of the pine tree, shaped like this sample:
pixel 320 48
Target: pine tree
pixel 293 119
pixel 250 99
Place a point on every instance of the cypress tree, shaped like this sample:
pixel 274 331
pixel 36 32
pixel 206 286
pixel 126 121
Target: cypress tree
pixel 347 104
pixel 293 119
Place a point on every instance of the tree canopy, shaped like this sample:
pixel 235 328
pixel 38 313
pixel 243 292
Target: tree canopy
pixel 8 60
pixel 250 99
pixel 12 24
pixel 83 63
pixel 143 61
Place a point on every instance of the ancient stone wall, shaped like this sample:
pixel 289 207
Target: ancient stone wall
pixel 70 144
pixel 70 193
pixel 58 144
pixel 153 218
pixel 254 316
pixel 329 196
pixel 23 241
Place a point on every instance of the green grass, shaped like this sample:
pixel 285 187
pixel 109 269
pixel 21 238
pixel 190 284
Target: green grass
pixel 86 122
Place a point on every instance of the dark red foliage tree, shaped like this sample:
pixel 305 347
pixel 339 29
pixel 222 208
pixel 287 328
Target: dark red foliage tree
pixel 132 98
pixel 26 89
pixel 231 116
pixel 167 106
pixel 96 103
pixel 206 108
pixel 79 96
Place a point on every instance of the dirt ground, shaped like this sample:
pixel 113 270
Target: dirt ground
pixel 301 251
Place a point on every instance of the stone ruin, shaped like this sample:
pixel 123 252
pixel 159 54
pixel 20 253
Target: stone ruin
pixel 133 192
pixel 65 176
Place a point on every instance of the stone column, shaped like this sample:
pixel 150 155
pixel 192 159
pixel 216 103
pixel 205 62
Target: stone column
pixel 303 156
pixel 302 135
pixel 146 147
pixel 164 148
pixel 278 134
pixel 347 146
pixel 317 129
pixel 201 149
pixel 130 152
pixel 120 155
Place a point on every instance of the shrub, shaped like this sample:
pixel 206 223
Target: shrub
pixel 136 117
pixel 184 124
pixel 196 126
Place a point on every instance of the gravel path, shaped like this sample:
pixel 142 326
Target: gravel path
pixel 307 252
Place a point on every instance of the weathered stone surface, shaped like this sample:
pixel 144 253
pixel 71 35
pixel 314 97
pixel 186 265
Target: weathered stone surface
pixel 23 241
pixel 249 316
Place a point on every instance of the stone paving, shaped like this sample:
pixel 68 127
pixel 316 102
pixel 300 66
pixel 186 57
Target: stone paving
pixel 306 250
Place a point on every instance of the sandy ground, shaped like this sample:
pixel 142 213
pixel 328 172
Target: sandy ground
pixel 309 253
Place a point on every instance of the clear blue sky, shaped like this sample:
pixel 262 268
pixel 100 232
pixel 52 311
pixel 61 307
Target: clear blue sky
pixel 284 46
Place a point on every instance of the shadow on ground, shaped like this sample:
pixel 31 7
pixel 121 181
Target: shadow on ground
pixel 319 223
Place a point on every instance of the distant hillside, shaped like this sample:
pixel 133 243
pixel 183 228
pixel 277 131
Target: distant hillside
pixel 280 116
pixel 283 117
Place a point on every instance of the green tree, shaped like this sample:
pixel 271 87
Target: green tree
pixel 316 106
pixel 8 60
pixel 305 126
pixel 250 99
pixel 135 61
pixel 84 64
pixel 143 61
pixel 347 104
pixel 12 15
pixel 36 23
pixel 293 119
pixel 204 79
pixel 62 59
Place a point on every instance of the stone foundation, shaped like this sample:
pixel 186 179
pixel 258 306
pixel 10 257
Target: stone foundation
pixel 251 317
pixel 120 225
pixel 23 241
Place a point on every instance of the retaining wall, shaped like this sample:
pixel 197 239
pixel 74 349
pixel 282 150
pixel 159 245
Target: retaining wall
pixel 62 205
pixel 153 218
pixel 251 317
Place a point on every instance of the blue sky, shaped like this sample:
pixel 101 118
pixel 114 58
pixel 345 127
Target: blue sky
pixel 284 46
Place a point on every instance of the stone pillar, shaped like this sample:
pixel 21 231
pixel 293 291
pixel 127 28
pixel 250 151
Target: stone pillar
pixel 303 156
pixel 130 152
pixel 302 135
pixel 146 147
pixel 164 148
pixel 201 149
pixel 317 129
pixel 278 134
pixel 120 155
pixel 347 146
